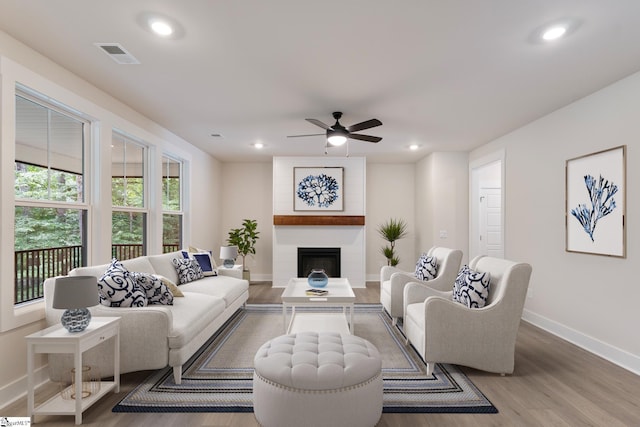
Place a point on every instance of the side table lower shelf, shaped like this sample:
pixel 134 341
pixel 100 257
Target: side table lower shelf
pixel 56 405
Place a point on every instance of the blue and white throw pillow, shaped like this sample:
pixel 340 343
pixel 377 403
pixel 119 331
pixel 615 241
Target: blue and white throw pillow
pixel 156 291
pixel 117 288
pixel 188 270
pixel 471 288
pixel 426 267
pixel 205 261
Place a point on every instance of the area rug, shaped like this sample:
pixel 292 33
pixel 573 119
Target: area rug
pixel 219 377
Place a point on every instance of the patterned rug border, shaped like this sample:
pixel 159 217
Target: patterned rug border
pixel 157 378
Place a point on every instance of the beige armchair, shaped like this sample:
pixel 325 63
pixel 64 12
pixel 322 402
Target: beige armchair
pixel 445 331
pixel 393 280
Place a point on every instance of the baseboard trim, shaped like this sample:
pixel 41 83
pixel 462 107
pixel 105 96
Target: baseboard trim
pixel 17 390
pixel 620 357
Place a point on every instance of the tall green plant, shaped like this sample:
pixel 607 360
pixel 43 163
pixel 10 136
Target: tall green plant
pixel 244 238
pixel 392 230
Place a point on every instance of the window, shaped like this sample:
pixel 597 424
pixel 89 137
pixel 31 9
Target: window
pixel 128 198
pixel 172 216
pixel 50 225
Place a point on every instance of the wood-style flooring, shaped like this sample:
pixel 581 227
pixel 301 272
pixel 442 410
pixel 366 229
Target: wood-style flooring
pixel 554 384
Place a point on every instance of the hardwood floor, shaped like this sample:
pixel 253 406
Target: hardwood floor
pixel 554 384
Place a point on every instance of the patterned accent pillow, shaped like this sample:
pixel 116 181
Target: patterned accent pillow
pixel 471 288
pixel 188 270
pixel 156 291
pixel 117 288
pixel 173 288
pixel 195 250
pixel 426 267
pixel 205 261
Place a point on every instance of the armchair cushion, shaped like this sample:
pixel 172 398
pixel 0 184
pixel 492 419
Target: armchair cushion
pixel 426 267
pixel 471 288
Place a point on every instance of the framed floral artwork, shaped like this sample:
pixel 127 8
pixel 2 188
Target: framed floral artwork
pixel 318 189
pixel 596 203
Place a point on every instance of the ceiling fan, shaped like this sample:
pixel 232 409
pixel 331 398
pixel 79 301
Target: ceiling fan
pixel 338 134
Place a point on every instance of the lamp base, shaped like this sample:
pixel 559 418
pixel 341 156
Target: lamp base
pixel 76 319
pixel 228 263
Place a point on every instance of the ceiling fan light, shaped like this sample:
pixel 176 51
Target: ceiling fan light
pixel 336 138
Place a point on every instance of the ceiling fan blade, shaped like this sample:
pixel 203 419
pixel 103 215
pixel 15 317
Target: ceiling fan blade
pixel 364 125
pixel 367 138
pixel 311 134
pixel 319 123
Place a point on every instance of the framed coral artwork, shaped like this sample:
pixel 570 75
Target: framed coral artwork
pixel 317 189
pixel 596 203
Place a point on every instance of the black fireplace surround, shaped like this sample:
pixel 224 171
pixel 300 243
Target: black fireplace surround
pixel 327 259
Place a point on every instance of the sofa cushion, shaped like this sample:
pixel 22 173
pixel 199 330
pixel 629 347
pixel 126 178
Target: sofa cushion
pixel 117 288
pixel 471 288
pixel 188 269
pixel 140 264
pixel 156 291
pixel 191 315
pixel 426 267
pixel 226 287
pixel 162 264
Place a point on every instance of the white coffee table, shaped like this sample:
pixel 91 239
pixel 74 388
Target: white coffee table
pixel 339 294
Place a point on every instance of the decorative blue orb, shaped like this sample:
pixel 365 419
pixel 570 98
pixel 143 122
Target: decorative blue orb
pixel 318 279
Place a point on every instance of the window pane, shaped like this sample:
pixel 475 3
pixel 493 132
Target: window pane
pixel 171 186
pixel 49 154
pixel 127 172
pixel 171 232
pixel 127 234
pixel 48 242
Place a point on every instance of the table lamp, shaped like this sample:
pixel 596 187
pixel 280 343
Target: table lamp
pixel 228 255
pixel 75 294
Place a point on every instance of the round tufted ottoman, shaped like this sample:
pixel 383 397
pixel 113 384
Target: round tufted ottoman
pixel 317 379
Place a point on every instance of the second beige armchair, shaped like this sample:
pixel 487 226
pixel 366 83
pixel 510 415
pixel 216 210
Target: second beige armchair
pixel 393 280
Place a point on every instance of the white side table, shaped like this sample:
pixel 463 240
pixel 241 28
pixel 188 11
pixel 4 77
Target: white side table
pixel 56 339
pixel 235 271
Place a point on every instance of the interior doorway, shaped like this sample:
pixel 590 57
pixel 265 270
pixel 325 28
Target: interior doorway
pixel 486 206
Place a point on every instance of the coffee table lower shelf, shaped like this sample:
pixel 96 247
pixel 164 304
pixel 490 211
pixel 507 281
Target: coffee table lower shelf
pixel 318 322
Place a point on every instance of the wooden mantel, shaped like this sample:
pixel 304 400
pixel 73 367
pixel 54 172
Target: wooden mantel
pixel 318 220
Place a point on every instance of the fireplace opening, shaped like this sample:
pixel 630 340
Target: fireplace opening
pixel 327 259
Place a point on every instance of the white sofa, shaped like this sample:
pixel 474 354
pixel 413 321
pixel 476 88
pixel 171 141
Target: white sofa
pixel 155 336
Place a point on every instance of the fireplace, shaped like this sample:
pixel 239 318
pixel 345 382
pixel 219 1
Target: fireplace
pixel 327 259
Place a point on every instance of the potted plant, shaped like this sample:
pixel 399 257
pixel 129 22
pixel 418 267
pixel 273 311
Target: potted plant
pixel 245 239
pixel 392 230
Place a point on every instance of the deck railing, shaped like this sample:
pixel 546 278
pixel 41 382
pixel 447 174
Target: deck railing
pixel 33 266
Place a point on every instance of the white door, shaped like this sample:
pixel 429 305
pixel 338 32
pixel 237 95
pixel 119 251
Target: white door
pixel 490 222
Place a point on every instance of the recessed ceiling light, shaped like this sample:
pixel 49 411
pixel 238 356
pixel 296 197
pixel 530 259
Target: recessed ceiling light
pixel 413 147
pixel 554 33
pixel 160 27
pixel 554 30
pixel 258 145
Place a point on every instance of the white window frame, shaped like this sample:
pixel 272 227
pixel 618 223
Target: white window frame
pixel 146 187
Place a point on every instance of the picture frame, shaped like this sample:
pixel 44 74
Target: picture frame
pixel 595 203
pixel 318 189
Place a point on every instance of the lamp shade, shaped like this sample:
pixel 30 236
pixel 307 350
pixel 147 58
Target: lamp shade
pixel 228 252
pixel 75 292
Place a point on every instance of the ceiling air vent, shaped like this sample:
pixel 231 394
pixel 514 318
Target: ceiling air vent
pixel 117 53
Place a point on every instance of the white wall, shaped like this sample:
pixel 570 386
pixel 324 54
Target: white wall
pixel 588 299
pixel 247 193
pixel 390 194
pixel 442 202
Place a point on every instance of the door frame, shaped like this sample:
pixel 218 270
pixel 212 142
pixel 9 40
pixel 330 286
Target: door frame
pixel 475 168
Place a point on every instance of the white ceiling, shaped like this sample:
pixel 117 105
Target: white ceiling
pixel 448 75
